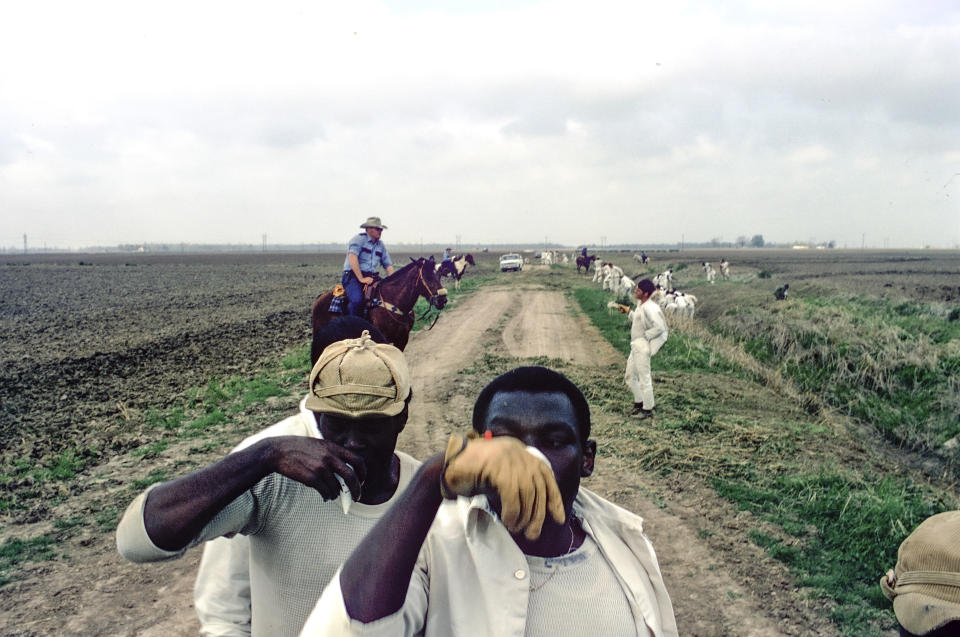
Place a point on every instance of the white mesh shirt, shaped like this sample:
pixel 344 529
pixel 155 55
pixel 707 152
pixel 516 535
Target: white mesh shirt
pixel 577 594
pixel 297 542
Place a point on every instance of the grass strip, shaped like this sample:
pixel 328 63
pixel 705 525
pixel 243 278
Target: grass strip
pixel 722 421
pixel 893 365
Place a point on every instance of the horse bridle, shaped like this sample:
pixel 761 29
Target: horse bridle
pixel 440 290
pixel 400 315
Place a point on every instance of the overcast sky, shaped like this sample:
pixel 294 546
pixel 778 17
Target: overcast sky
pixel 573 122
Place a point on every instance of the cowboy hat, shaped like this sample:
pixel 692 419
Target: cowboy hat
pixel 373 222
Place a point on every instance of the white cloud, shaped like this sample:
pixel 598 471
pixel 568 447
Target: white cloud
pixel 815 154
pixel 221 121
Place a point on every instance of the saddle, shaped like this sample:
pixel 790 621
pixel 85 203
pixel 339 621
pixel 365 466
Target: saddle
pixel 340 302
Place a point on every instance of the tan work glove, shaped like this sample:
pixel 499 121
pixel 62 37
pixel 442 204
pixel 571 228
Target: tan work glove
pixel 525 484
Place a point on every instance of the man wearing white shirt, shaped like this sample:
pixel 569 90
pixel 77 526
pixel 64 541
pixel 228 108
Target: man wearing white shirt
pixel 648 333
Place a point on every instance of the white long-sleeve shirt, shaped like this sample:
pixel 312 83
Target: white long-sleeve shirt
pixel 471 579
pixel 649 323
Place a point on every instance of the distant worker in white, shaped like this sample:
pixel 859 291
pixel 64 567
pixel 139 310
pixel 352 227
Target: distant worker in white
pixel 710 272
pixel 665 279
pixel 648 333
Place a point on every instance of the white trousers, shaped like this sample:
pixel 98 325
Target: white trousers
pixel 637 375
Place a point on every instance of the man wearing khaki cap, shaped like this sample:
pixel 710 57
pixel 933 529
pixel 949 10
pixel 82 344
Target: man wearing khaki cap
pixel 284 492
pixel 365 253
pixel 925 584
pixel 496 536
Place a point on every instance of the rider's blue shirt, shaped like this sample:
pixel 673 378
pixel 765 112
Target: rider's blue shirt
pixel 370 254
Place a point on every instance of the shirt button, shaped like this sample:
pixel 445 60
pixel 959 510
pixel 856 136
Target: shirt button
pixel 520 574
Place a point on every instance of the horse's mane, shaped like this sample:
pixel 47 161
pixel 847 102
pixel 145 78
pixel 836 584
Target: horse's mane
pixel 402 271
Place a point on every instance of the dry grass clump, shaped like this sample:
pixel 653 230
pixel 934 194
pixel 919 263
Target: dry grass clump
pixel 893 366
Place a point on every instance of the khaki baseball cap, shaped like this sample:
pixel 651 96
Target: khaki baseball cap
pixel 925 583
pixel 359 378
pixel 373 222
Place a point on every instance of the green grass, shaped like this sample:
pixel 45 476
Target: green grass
pixel 298 359
pixel 157 475
pixel 841 531
pixel 681 352
pixel 15 550
pixel 107 518
pixel 259 389
pixel 836 530
pixel 890 364
pixel 58 468
pixel 153 449
pixel 170 419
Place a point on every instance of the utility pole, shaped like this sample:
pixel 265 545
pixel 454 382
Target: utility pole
pixel 24 243
pixel 458 243
pixel 863 240
pixel 681 242
pixel 264 248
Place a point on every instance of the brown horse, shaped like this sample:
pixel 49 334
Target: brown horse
pixel 585 262
pixel 391 302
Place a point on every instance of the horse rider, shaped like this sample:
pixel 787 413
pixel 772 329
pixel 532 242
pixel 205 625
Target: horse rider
pixel 446 265
pixel 583 252
pixel 365 253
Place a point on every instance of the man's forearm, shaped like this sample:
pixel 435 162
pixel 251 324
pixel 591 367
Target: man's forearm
pixel 175 512
pixel 375 578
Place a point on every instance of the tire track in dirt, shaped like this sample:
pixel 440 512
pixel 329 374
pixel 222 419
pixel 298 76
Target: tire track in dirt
pixel 541 325
pixel 547 326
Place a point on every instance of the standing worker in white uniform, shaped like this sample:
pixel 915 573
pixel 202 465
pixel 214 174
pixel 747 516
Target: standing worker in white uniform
pixel 648 333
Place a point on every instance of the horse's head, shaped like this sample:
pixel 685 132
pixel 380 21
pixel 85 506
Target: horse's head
pixel 469 259
pixel 429 285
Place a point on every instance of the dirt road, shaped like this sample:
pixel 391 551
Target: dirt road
pixel 100 594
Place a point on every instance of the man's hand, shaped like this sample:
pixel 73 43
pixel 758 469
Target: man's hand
pixel 366 280
pixel 525 484
pixel 316 463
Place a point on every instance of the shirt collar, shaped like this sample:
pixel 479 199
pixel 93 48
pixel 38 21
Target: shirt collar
pixel 309 417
